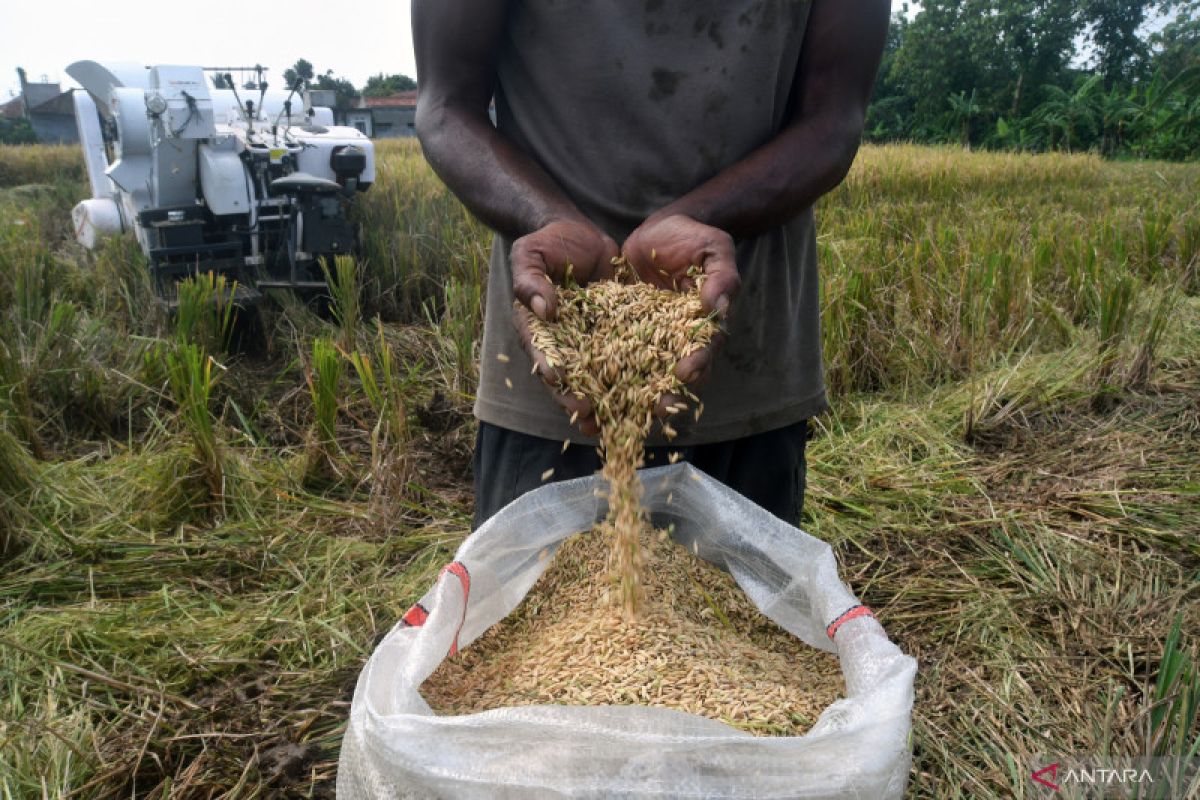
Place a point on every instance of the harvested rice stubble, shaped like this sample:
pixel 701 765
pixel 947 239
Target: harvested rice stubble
pixel 699 645
pixel 618 344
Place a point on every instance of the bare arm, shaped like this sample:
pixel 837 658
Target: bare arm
pixel 843 45
pixel 456 44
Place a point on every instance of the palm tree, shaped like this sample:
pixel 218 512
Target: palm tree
pixel 963 110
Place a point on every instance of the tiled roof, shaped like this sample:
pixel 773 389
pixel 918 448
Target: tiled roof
pixel 61 104
pixel 13 109
pixel 399 99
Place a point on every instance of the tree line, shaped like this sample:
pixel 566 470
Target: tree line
pixel 347 95
pixel 1117 77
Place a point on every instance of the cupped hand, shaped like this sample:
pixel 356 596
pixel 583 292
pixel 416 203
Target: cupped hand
pixel 580 409
pixel 663 250
pixel 540 261
pixel 546 257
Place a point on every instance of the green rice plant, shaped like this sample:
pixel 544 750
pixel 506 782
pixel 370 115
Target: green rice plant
pixel 36 362
pixel 344 294
pixel 32 290
pixel 25 164
pixel 387 392
pixel 458 325
pixel 323 375
pixel 1118 295
pixel 126 288
pixel 17 471
pixel 415 235
pixel 15 397
pixel 191 379
pixel 1188 237
pixel 205 312
pixel 1151 335
pixel 1155 240
pixel 1174 713
pixel 385 389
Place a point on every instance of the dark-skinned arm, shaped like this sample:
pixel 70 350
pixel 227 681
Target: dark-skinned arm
pixel 843 45
pixel 456 43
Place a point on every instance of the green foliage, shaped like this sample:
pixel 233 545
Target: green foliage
pixel 205 311
pixel 383 85
pixel 1175 716
pixel 344 295
pixel 189 371
pixel 459 326
pixel 385 388
pixel 324 375
pixel 301 71
pixel 1066 75
pixel 344 90
pixel 16 131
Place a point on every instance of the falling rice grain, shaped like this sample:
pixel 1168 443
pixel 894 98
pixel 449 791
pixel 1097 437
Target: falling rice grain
pixel 619 343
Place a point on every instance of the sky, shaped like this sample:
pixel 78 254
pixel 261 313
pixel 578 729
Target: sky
pixel 355 40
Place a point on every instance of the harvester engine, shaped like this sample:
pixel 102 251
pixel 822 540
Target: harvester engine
pixel 255 187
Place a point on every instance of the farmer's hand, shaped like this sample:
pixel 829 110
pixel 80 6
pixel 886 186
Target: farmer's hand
pixel 662 251
pixel 548 253
pixel 579 408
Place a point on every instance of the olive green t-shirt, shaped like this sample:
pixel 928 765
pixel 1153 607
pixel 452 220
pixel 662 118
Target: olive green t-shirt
pixel 629 106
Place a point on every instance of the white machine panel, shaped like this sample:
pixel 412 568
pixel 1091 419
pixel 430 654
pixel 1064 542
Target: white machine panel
pixel 95 219
pixel 178 96
pixel 223 180
pixel 94 156
pixel 320 142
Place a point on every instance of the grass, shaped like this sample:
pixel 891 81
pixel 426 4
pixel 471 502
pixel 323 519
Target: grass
pixel 191 377
pixel 1008 474
pixel 205 311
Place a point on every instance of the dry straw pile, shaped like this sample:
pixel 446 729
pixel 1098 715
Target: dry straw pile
pixel 617 344
pixel 699 645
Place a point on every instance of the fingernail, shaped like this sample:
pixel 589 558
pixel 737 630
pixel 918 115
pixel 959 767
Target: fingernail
pixel 692 377
pixel 538 306
pixel 722 306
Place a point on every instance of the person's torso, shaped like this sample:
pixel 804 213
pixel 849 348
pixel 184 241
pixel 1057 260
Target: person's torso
pixel 628 106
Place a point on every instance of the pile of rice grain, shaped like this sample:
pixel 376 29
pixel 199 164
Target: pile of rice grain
pixel 698 645
pixel 617 344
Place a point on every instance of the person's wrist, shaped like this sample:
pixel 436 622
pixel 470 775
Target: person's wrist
pixel 563 216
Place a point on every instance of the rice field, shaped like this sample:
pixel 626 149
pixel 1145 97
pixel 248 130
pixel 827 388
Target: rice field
pixel 201 539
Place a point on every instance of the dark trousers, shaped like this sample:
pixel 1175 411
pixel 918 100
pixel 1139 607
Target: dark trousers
pixel 767 468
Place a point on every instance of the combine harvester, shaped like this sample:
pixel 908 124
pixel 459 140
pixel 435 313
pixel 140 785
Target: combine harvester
pixel 255 188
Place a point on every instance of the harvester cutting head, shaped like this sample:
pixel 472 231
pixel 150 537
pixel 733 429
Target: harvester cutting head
pixel 255 187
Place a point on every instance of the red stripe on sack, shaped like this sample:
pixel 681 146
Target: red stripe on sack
pixel 459 570
pixel 415 617
pixel 854 612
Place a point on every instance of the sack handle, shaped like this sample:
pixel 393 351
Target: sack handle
pixel 853 612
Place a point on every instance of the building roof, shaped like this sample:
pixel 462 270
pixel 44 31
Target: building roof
pixel 60 104
pixel 12 109
pixel 37 93
pixel 397 100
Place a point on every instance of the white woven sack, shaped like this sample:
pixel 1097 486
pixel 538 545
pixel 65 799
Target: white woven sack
pixel 396 746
